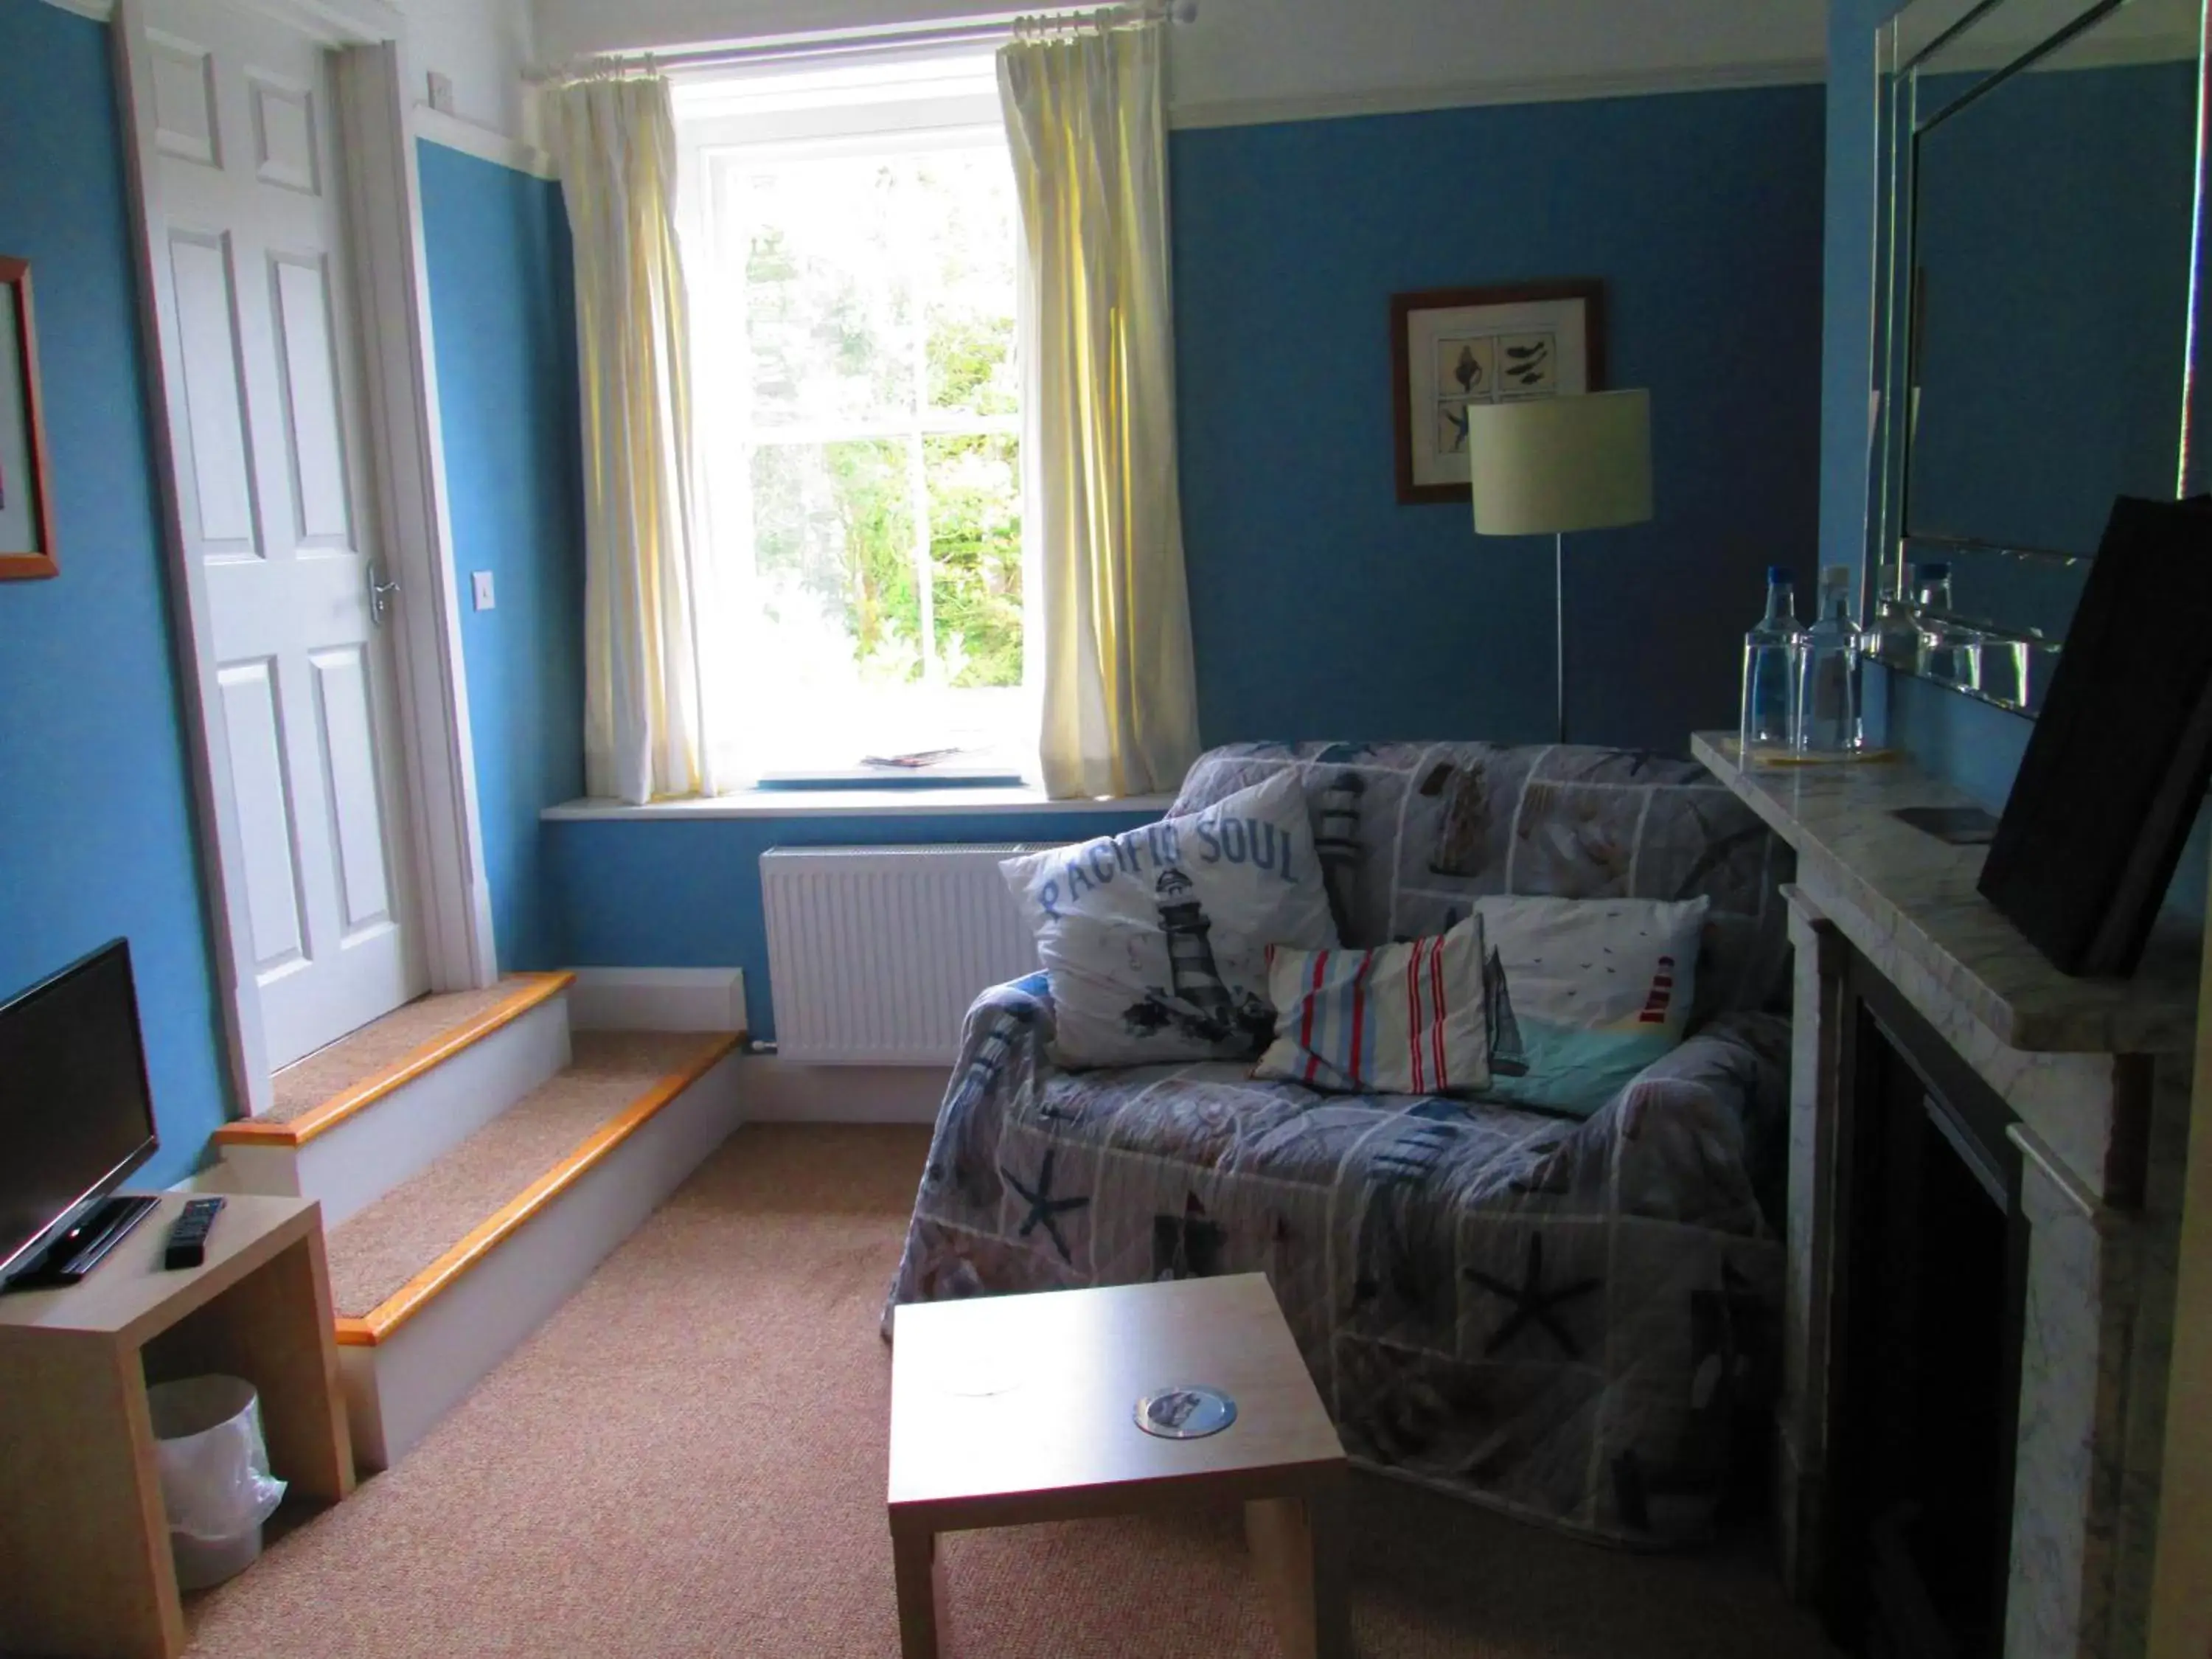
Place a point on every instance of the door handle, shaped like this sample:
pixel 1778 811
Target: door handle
pixel 380 596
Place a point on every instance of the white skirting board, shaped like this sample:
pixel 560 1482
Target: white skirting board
pixel 658 999
pixel 356 1162
pixel 784 1091
pixel 398 1389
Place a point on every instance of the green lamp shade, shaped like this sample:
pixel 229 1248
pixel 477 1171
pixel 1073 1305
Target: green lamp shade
pixel 1555 464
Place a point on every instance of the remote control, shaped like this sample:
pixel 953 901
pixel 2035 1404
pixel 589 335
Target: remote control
pixel 188 1233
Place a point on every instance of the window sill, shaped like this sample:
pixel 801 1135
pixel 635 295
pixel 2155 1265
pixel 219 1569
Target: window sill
pixel 851 803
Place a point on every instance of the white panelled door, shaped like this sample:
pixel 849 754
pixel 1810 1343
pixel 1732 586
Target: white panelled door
pixel 251 282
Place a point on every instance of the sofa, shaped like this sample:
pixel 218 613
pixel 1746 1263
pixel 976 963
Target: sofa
pixel 1568 1320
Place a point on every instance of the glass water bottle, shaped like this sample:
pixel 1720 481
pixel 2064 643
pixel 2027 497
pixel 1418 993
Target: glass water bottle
pixel 1894 636
pixel 1948 652
pixel 1828 672
pixel 1770 669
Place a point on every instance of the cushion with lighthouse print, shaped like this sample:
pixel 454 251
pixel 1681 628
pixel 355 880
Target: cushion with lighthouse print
pixel 1155 941
pixel 1584 993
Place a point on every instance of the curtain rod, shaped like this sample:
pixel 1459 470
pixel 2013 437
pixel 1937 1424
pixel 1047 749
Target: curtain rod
pixel 802 48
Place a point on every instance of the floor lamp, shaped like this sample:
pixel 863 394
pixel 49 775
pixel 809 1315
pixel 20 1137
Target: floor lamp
pixel 1553 465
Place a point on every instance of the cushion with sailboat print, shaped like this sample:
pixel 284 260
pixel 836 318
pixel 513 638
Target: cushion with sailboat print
pixel 1154 942
pixel 1584 993
pixel 1399 1019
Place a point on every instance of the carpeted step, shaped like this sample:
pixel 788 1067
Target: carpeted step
pixel 330 1085
pixel 403 1249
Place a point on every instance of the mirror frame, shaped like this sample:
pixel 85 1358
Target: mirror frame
pixel 1885 565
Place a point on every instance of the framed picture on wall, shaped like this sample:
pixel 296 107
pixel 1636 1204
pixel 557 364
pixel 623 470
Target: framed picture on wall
pixel 1455 346
pixel 27 512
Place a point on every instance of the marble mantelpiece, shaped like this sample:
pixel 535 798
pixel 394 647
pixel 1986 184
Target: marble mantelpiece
pixel 1918 894
pixel 2097 1074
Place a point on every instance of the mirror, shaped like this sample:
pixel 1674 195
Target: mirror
pixel 2037 240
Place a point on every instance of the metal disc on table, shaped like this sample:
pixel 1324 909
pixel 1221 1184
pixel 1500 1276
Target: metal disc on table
pixel 1187 1411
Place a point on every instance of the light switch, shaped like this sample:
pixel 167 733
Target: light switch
pixel 441 92
pixel 482 580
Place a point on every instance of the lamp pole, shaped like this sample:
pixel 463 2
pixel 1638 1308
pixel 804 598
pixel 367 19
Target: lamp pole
pixel 1559 620
pixel 1544 466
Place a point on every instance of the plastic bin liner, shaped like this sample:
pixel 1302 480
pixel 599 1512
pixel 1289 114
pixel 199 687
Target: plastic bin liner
pixel 213 1463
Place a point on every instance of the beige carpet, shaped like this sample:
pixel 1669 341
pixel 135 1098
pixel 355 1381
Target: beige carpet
pixel 307 1083
pixel 376 1252
pixel 688 1460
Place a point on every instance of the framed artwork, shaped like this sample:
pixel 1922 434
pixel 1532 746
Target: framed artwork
pixel 1452 347
pixel 27 507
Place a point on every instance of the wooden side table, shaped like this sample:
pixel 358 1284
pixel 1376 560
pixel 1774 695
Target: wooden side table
pixel 1013 1409
pixel 82 1526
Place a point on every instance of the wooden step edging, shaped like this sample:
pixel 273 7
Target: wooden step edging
pixel 531 991
pixel 366 1330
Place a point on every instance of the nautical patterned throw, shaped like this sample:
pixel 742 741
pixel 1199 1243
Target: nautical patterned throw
pixel 1155 940
pixel 1399 1019
pixel 1570 1320
pixel 1584 993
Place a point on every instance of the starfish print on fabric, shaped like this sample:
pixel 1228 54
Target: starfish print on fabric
pixel 1043 1207
pixel 1532 1303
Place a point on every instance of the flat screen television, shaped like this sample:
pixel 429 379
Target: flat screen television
pixel 76 1112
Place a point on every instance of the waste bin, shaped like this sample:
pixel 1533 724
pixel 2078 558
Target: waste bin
pixel 216 1484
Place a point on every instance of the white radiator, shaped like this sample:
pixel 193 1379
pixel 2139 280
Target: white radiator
pixel 874 953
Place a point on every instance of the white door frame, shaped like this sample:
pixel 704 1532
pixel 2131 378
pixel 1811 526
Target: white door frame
pixel 391 280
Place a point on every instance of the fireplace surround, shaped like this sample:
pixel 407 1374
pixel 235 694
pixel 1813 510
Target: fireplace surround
pixel 1928 1309
pixel 2059 1105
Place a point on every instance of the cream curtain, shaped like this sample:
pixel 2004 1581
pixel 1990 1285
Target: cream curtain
pixel 654 711
pixel 1085 122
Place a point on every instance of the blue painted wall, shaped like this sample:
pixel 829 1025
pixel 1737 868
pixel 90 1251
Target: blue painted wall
pixel 1320 606
pixel 503 314
pixel 95 804
pixel 672 894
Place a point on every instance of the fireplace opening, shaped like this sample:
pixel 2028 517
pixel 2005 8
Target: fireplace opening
pixel 1926 1346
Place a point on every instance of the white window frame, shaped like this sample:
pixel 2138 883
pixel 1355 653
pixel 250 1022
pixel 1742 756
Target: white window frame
pixel 929 100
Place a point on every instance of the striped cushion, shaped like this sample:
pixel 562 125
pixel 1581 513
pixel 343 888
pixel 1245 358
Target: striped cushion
pixel 1405 1019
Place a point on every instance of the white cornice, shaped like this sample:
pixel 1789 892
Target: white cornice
pixel 334 22
pixel 1549 89
pixel 491 146
pixel 482 143
pixel 354 17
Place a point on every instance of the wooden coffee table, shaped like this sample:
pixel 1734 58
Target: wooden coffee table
pixel 1013 1409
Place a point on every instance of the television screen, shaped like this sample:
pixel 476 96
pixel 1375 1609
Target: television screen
pixel 76 1114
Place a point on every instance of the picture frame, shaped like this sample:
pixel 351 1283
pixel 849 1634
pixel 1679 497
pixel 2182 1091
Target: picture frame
pixel 1454 346
pixel 27 496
